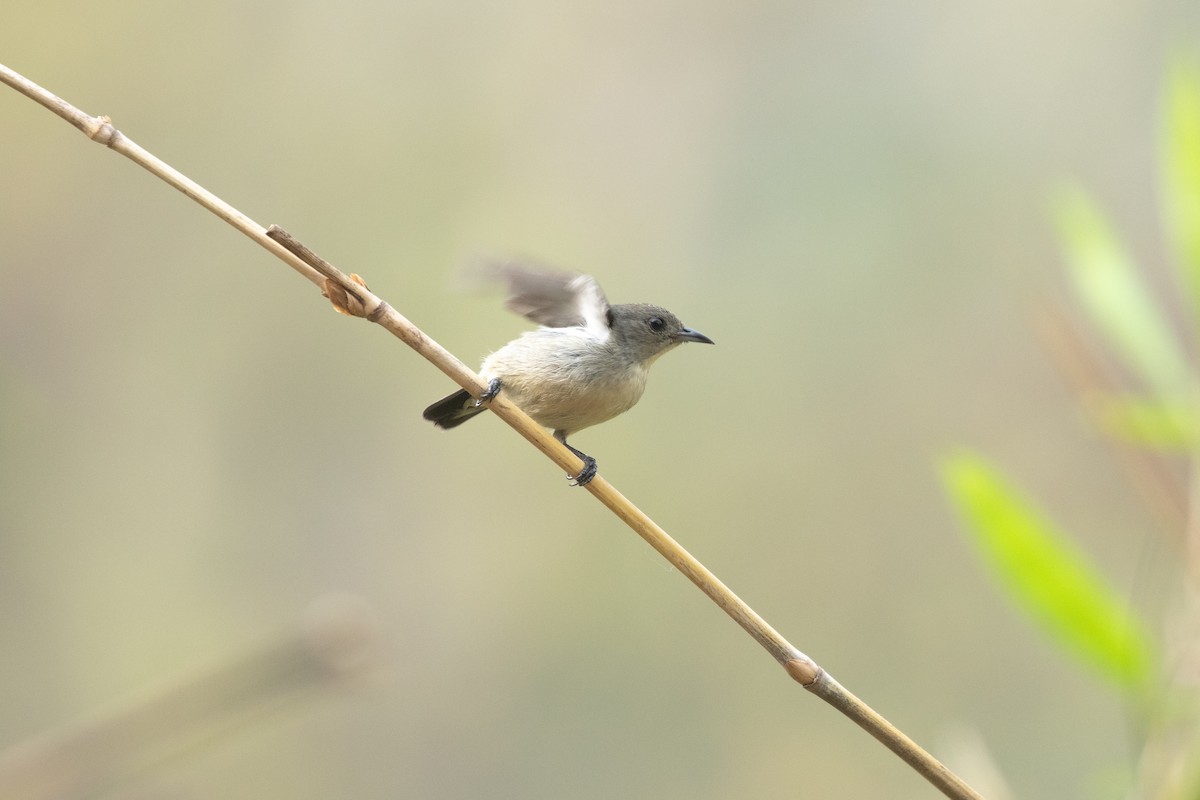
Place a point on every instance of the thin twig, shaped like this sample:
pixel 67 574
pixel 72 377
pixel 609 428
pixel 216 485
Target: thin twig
pixel 92 755
pixel 799 666
pixel 1150 474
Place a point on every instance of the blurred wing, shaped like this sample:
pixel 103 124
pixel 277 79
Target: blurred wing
pixel 556 299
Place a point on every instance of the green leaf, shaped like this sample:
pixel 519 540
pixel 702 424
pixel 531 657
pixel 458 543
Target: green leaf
pixel 1162 425
pixel 1047 576
pixel 1181 170
pixel 1115 297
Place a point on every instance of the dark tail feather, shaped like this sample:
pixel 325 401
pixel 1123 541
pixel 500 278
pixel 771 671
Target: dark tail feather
pixel 452 411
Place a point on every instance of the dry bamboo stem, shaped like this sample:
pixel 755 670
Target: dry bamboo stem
pixel 91 756
pixel 351 296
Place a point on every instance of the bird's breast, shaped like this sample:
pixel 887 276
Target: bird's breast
pixel 566 381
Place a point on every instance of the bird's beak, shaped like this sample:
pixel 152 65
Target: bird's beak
pixel 689 335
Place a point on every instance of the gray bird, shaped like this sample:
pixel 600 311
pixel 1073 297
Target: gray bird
pixel 586 364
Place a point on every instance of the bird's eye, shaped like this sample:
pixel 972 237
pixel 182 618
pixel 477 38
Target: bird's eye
pixel 656 324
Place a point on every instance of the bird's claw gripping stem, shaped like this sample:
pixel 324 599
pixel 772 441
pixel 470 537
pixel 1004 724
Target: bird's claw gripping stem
pixel 586 474
pixel 589 464
pixel 493 389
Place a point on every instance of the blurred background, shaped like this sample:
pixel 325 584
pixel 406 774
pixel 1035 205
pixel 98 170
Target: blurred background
pixel 850 198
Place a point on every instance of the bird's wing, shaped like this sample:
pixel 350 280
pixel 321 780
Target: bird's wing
pixel 556 299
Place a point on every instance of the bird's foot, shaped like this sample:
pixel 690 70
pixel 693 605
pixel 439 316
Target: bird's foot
pixel 493 389
pixel 586 474
pixel 589 464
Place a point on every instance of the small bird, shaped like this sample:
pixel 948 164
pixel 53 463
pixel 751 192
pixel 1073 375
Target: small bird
pixel 586 364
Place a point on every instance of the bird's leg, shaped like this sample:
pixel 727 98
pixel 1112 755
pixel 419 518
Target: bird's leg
pixel 589 464
pixel 493 389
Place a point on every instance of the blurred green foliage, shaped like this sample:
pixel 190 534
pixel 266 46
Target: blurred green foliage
pixel 1048 576
pixel 1036 562
pixel 1113 292
pixel 1181 170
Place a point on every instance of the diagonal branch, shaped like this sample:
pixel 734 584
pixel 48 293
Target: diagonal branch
pixel 1150 474
pixel 366 304
pixel 90 756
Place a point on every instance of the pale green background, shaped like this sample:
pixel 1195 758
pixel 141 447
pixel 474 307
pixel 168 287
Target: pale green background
pixel 848 197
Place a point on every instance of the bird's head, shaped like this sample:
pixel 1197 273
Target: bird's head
pixel 645 332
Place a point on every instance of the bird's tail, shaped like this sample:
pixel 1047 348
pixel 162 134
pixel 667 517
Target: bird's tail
pixel 454 410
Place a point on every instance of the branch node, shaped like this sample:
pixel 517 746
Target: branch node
pixel 337 286
pixel 346 303
pixel 803 670
pixel 380 311
pixel 100 130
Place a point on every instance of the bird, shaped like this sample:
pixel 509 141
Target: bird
pixel 586 363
